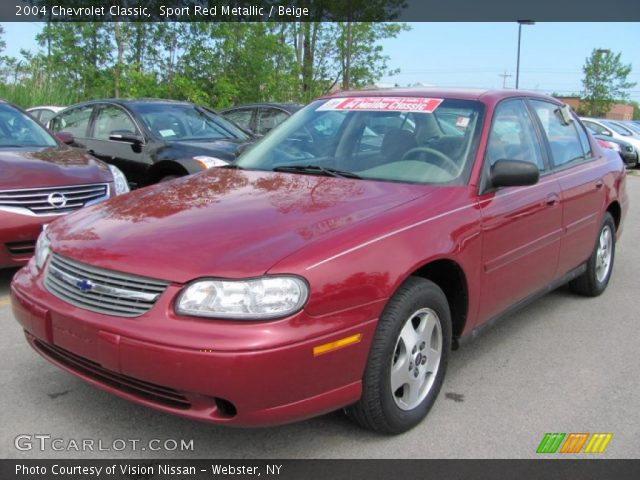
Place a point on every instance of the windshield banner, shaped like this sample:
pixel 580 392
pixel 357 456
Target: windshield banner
pixel 383 104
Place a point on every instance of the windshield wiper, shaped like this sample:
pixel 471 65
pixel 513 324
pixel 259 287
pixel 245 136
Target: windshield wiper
pixel 317 170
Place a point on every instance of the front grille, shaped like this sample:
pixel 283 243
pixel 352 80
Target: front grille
pixel 148 391
pixel 52 200
pixel 22 248
pixel 99 290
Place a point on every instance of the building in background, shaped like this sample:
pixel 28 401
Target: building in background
pixel 618 111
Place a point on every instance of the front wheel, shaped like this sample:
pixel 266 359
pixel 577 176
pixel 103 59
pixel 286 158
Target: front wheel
pixel 595 279
pixel 407 361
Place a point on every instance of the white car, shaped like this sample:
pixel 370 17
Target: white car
pixel 634 126
pixel 44 113
pixel 613 129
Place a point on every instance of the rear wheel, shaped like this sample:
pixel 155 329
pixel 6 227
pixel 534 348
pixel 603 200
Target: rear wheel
pixel 595 279
pixel 408 359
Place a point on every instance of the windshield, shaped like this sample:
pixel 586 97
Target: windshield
pixel 619 129
pixel 19 130
pixel 633 127
pixel 180 122
pixel 398 139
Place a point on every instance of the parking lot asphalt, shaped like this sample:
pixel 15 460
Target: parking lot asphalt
pixel 563 364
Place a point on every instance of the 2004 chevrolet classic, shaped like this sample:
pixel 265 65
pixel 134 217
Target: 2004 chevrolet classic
pixel 335 264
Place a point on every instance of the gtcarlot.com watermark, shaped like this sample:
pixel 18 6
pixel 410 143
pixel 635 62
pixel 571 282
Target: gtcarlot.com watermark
pixel 48 443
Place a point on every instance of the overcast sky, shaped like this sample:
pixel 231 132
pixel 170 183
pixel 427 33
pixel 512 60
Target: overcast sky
pixel 476 54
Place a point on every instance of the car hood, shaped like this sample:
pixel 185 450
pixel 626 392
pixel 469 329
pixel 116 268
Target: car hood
pixel 47 167
pixel 220 223
pixel 225 149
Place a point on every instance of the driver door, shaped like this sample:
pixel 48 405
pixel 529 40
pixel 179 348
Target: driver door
pixel 127 157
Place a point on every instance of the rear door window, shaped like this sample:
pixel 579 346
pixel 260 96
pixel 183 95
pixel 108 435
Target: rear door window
pixel 241 117
pixel 75 121
pixel 268 119
pixel 566 148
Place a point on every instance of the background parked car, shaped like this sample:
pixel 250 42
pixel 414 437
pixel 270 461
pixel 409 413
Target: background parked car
pixel 621 129
pixel 631 125
pixel 41 178
pixel 45 113
pixel 151 140
pixel 626 151
pixel 260 118
pixel 599 126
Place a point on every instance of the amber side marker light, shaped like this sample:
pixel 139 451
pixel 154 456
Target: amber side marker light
pixel 329 347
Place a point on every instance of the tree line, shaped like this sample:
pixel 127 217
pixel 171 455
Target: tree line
pixel 216 64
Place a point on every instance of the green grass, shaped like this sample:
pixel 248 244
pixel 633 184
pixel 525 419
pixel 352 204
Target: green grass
pixel 32 95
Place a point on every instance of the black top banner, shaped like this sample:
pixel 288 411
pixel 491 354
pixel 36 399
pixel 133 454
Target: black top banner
pixel 319 10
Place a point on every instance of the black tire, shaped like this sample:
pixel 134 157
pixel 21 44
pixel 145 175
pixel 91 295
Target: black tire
pixel 588 283
pixel 377 409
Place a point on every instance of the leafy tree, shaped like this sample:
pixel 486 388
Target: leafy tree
pixel 360 56
pixel 80 54
pixel 216 64
pixel 605 81
pixel 636 108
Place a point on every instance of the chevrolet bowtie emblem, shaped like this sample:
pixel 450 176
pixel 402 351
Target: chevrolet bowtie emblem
pixel 84 285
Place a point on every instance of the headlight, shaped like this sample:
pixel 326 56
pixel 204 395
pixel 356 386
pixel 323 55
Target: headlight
pixel 43 249
pixel 206 162
pixel 254 299
pixel 119 180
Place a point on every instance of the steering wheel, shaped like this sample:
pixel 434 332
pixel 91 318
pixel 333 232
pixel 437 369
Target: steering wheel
pixel 446 162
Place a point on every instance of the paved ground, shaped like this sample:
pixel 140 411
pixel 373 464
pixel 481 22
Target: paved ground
pixel 565 364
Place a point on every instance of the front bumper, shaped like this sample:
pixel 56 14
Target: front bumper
pixel 235 373
pixel 630 159
pixel 18 235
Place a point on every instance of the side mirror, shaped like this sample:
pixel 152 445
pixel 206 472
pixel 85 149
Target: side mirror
pixel 513 173
pixel 65 137
pixel 607 133
pixel 126 136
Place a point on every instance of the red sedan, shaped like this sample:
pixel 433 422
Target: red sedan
pixel 41 179
pixel 334 264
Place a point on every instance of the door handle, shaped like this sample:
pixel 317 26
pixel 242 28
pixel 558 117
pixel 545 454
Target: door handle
pixel 599 184
pixel 553 200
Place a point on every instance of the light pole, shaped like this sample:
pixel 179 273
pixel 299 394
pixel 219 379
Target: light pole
pixel 520 23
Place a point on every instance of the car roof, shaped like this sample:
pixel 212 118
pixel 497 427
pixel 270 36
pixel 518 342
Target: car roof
pixel 54 108
pixel 133 101
pixel 484 95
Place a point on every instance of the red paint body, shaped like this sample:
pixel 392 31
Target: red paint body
pixel 354 241
pixel 32 169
